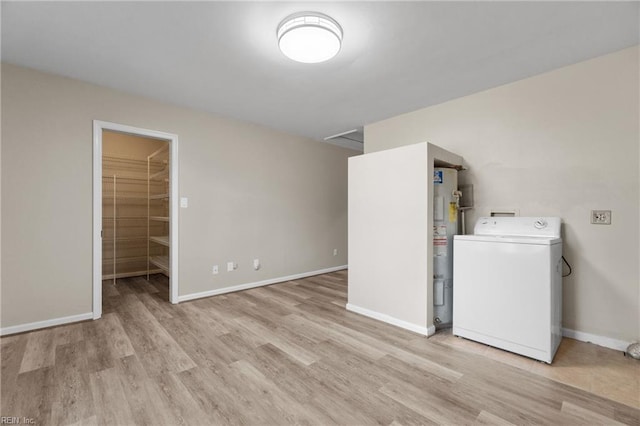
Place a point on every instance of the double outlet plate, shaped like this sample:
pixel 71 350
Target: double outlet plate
pixel 601 217
pixel 232 266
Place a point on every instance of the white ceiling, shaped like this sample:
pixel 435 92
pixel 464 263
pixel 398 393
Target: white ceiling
pixel 396 57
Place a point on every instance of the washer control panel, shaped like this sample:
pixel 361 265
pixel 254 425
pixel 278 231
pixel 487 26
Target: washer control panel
pixel 519 226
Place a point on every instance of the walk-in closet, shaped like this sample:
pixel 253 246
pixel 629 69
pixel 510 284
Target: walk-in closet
pixel 135 209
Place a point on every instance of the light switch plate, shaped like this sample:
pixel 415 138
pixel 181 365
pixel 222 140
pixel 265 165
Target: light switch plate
pixel 184 202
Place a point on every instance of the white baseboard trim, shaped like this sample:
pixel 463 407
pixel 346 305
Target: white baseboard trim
pixel 607 342
pixel 425 331
pixel 209 293
pixel 5 331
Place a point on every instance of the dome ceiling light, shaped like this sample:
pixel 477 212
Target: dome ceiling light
pixel 309 37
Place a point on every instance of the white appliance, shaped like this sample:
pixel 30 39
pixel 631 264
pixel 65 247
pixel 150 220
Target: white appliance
pixel 445 226
pixel 507 285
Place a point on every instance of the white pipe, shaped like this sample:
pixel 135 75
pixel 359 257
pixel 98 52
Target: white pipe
pixel 114 229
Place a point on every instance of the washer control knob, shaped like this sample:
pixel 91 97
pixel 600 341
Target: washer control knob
pixel 540 224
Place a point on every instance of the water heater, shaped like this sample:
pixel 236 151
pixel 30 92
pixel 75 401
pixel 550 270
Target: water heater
pixel 445 226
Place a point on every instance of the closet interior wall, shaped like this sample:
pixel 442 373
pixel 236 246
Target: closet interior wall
pixel 126 208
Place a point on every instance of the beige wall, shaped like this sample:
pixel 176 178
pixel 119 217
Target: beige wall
pixel 558 144
pixel 253 192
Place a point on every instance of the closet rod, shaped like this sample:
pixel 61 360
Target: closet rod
pixel 125 217
pixel 127 259
pixel 125 178
pixel 122 159
pixel 129 238
pixel 128 197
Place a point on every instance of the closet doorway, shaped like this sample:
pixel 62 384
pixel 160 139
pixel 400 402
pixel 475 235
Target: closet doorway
pixel 135 208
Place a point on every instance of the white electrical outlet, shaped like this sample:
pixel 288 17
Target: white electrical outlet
pixel 214 270
pixel 601 217
pixel 231 266
pixel 335 252
pixel 256 264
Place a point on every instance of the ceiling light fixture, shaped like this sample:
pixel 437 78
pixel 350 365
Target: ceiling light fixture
pixel 309 37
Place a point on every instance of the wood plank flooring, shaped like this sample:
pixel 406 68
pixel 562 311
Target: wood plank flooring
pixel 283 354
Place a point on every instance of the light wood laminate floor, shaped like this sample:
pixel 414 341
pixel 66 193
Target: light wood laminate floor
pixel 289 354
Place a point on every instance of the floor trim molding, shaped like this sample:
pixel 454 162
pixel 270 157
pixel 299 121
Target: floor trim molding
pixel 425 331
pixel 209 293
pixel 5 331
pixel 607 342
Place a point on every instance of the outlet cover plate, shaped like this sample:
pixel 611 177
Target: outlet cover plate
pixel 601 217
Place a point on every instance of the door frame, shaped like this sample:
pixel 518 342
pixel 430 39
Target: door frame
pixel 98 128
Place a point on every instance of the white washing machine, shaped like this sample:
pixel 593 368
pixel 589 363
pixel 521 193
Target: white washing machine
pixel 507 285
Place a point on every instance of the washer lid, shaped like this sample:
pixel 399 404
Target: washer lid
pixel 519 226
